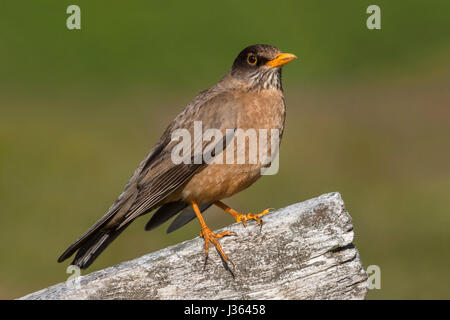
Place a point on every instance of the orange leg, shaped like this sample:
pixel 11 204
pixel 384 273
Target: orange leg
pixel 210 236
pixel 242 217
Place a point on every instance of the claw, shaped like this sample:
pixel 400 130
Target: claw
pixel 210 236
pixel 250 216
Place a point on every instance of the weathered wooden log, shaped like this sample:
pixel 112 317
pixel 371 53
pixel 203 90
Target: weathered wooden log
pixel 303 251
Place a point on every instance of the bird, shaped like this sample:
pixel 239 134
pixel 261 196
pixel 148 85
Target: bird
pixel 249 96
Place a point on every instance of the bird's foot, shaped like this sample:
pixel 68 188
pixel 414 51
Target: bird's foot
pixel 239 217
pixel 251 216
pixel 210 237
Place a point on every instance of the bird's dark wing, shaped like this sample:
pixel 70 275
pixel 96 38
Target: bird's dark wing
pixel 157 177
pixel 163 177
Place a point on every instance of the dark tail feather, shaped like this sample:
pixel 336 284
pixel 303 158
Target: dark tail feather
pixel 93 232
pixel 164 213
pixel 186 216
pixel 92 243
pixel 92 248
pixel 119 207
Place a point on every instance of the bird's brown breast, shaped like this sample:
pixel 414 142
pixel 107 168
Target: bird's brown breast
pixel 261 109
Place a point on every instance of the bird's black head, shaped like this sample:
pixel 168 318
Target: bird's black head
pixel 260 66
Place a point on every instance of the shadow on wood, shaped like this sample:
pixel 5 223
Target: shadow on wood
pixel 304 251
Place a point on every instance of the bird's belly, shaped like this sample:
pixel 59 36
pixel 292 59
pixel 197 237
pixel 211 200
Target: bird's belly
pixel 220 181
pixel 264 110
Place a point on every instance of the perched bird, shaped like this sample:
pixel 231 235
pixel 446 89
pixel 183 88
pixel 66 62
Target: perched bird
pixel 249 96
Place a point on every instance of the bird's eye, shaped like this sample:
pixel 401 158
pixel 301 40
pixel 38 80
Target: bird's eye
pixel 251 59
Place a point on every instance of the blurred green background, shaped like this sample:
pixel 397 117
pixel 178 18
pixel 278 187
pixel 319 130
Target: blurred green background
pixel 368 115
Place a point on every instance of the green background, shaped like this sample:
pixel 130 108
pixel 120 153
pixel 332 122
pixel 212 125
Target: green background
pixel 368 115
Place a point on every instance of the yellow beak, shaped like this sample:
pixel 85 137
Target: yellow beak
pixel 281 59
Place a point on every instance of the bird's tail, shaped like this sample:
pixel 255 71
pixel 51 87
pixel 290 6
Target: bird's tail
pixel 91 246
